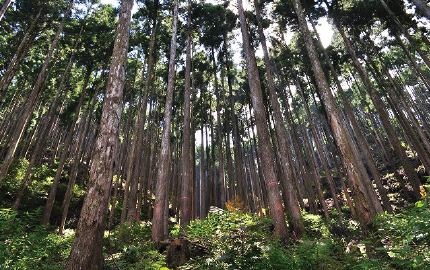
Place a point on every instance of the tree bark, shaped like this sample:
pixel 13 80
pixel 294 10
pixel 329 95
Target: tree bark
pixel 77 153
pixel 87 246
pixel 4 8
pixel 379 106
pixel 275 204
pixel 186 188
pixel 357 187
pixel 359 135
pixel 286 161
pixel 423 7
pixel 165 154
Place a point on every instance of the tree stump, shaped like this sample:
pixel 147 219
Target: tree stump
pixel 178 252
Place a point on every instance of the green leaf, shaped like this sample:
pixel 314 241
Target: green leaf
pixel 421 204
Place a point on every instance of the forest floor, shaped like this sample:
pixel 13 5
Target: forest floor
pixel 236 240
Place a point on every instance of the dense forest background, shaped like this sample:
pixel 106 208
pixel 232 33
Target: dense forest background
pixel 225 126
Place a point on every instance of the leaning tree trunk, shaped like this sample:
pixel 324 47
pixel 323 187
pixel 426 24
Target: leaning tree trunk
pixel 282 136
pixel 275 203
pixel 165 155
pixel 405 32
pixel 31 101
pixel 409 132
pixel 379 106
pixel 87 249
pixel 320 151
pixel 358 190
pixel 64 154
pixel 359 135
pixel 4 8
pixel 423 7
pixel 21 51
pixel 77 153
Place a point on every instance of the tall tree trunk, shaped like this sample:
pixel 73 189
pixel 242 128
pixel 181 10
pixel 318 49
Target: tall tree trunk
pixel 77 153
pixel 299 154
pixel 405 32
pixel 275 203
pixel 282 136
pixel 230 172
pixel 409 132
pixel 87 249
pixel 237 147
pixel 186 188
pixel 48 123
pixel 165 154
pixel 31 101
pixel 359 135
pixel 320 152
pixel 221 169
pixel 379 106
pixel 21 51
pixel 131 182
pixel 357 187
pixel 65 153
pixel 202 173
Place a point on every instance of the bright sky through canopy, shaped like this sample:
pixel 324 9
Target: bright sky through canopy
pixel 324 28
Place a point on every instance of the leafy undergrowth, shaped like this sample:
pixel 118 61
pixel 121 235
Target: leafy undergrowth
pixel 232 240
pixel 24 245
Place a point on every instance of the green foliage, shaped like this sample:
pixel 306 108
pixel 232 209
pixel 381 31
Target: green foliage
pixel 129 247
pixel 234 241
pixel 407 235
pixel 23 246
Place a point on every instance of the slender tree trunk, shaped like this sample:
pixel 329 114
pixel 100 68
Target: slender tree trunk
pixel 31 101
pixel 202 173
pixel 64 154
pixel 21 51
pixel 237 148
pixel 320 152
pixel 282 136
pixel 300 155
pixel 409 132
pixel 76 161
pixel 186 188
pixel 161 194
pixel 48 124
pixel 4 8
pixel 359 135
pixel 379 106
pixel 405 32
pixel 276 210
pixel 86 252
pixel 221 169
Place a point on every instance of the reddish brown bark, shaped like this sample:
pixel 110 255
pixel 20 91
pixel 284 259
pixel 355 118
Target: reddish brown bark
pixel 275 203
pixel 161 195
pixel 87 246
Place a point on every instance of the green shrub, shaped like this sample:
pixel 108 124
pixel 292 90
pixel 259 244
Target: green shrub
pixel 23 246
